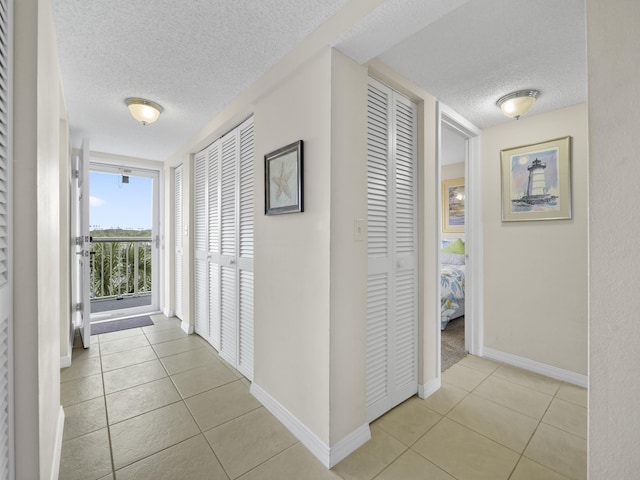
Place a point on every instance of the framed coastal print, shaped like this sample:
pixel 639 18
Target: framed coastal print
pixel 536 181
pixel 283 180
pixel 453 206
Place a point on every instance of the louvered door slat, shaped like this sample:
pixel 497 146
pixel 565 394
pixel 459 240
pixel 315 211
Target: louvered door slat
pixel 5 400
pixel 377 172
pixel 228 194
pixel 6 294
pixel 229 325
pixel 200 201
pixel 213 174
pixel 246 191
pixel 178 264
pixel 376 364
pixel 200 298
pixel 200 242
pixel 405 328
pixel 245 327
pixel 245 248
pixel 214 304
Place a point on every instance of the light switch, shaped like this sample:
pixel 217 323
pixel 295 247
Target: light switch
pixel 358 229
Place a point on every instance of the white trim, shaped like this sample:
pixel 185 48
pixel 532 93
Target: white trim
pixel 429 388
pixel 186 327
pixel 537 367
pixel 474 332
pixel 329 457
pixel 349 444
pixel 167 312
pixel 57 448
pixel 65 360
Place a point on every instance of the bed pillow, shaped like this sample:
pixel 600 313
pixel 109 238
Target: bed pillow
pixel 452 258
pixel 455 247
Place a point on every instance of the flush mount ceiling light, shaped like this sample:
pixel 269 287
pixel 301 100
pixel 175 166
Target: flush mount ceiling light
pixel 518 103
pixel 145 111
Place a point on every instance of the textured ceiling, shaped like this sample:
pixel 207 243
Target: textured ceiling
pixel 487 48
pixel 194 57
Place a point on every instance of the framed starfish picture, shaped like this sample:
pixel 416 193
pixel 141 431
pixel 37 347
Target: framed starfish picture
pixel 283 190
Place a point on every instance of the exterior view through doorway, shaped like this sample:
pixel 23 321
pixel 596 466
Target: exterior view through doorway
pixel 124 238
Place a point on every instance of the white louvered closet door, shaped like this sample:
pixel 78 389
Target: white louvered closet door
pixel 200 267
pixel 228 250
pixel 179 243
pixel 224 201
pixel 245 249
pixel 392 326
pixel 213 228
pixel 6 234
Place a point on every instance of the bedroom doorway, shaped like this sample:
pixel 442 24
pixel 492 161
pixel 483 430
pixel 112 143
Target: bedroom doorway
pixel 453 158
pixel 460 315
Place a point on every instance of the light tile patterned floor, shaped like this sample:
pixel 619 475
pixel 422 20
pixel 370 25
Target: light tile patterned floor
pixel 154 403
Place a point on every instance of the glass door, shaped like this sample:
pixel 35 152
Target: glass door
pixel 124 231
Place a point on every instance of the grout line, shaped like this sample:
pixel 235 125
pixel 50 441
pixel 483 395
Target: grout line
pixel 276 455
pixel 106 413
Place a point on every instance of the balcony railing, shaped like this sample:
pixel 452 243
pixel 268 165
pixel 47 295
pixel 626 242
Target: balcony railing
pixel 120 267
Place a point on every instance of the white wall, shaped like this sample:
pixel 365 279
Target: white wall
pixel 37 297
pixel 535 273
pixel 348 256
pixel 292 252
pixel 66 331
pixel 454 170
pixel 614 118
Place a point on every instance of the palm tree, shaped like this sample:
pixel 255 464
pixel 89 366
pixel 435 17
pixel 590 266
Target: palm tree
pixel 115 267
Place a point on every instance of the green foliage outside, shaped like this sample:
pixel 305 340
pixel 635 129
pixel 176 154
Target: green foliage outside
pixel 119 232
pixel 115 266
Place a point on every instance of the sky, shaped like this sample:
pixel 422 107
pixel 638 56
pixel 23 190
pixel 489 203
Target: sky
pixel 114 204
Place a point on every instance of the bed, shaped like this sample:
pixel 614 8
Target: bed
pixel 452 279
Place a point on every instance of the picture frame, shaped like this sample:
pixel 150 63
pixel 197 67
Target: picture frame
pixel 536 181
pixel 453 197
pixel 283 180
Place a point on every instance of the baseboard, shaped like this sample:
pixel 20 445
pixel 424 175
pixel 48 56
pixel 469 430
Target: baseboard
pixel 537 367
pixel 326 455
pixel 429 388
pixel 57 448
pixel 168 312
pixel 186 328
pixel 65 360
pixel 349 444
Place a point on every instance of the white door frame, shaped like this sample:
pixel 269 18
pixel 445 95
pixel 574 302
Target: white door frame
pixel 80 244
pixel 156 229
pixel 473 330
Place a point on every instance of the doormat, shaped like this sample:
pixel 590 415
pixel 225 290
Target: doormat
pixel 117 325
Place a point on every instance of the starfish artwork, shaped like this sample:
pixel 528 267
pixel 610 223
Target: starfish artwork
pixel 282 182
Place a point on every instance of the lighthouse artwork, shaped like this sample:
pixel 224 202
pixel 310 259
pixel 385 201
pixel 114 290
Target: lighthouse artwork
pixel 536 181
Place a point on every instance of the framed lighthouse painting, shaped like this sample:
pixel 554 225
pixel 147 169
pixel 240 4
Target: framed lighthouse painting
pixel 536 181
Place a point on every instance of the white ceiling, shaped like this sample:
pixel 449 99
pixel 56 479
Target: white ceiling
pixel 194 57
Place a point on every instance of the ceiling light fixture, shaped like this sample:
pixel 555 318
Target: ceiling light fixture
pixel 145 111
pixel 518 103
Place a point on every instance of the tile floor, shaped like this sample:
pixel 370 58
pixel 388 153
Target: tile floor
pixel 154 403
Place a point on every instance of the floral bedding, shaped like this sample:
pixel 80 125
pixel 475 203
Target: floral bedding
pixel 452 292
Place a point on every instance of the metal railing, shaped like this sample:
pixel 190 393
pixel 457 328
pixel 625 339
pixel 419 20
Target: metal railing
pixel 120 266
